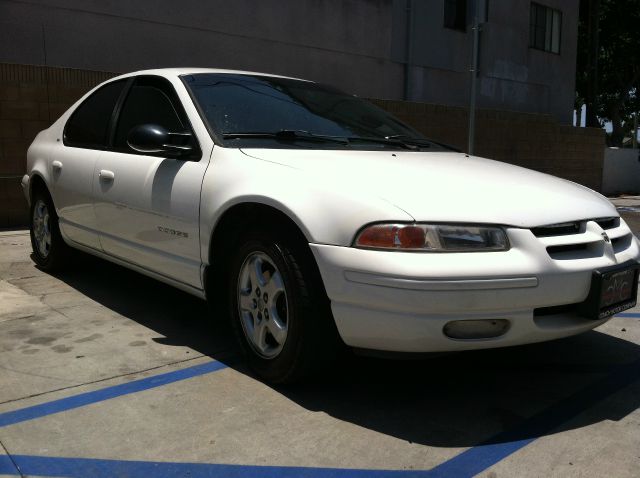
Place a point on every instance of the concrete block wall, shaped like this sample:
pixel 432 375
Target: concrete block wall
pixel 32 97
pixel 533 141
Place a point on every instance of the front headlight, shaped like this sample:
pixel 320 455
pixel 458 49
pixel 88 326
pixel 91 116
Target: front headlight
pixel 433 237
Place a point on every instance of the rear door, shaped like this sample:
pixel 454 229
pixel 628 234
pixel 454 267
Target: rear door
pixel 147 205
pixel 73 162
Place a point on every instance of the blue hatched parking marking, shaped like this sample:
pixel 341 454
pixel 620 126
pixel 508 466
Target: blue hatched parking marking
pixel 629 314
pixel 83 399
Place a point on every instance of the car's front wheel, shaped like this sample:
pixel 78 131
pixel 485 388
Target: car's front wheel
pixel 49 249
pixel 279 309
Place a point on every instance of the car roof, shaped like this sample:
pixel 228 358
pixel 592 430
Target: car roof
pixel 173 72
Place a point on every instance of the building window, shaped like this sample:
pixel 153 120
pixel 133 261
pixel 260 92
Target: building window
pixel 455 14
pixel 545 26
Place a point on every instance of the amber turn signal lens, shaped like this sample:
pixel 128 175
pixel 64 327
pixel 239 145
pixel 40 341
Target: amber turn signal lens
pixel 378 236
pixel 392 236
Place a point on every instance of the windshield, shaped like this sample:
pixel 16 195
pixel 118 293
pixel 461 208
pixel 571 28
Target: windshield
pixel 270 112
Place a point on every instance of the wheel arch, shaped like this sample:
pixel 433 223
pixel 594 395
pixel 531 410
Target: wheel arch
pixel 37 183
pixel 238 218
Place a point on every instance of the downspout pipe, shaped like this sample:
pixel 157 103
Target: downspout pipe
pixel 409 9
pixel 474 79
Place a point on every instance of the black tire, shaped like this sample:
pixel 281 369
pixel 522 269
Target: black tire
pixel 53 256
pixel 312 339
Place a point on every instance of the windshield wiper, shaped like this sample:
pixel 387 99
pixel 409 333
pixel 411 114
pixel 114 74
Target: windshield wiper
pixel 423 142
pixel 288 135
pixel 386 140
pixel 410 139
pixel 301 135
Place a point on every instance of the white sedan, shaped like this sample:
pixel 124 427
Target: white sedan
pixel 316 220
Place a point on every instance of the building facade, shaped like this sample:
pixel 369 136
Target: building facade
pixel 418 50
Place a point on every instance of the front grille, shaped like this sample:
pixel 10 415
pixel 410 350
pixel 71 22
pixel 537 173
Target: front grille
pixel 576 251
pixel 584 239
pixel 557 229
pixel 621 243
pixel 608 222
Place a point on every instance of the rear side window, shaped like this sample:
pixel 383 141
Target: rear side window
pixel 151 100
pixel 88 126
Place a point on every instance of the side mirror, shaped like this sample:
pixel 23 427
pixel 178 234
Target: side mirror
pixel 153 138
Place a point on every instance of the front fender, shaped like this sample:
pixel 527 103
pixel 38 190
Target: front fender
pixel 325 213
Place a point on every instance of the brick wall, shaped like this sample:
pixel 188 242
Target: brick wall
pixel 32 97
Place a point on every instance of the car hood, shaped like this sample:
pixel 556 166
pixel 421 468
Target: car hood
pixel 447 186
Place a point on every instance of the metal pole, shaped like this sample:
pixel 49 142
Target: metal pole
pixel 474 77
pixel 409 50
pixel 593 32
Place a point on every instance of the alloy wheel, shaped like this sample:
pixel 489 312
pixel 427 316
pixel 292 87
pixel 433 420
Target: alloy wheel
pixel 262 305
pixel 42 228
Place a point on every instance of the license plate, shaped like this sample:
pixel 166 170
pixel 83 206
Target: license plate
pixel 612 291
pixel 617 287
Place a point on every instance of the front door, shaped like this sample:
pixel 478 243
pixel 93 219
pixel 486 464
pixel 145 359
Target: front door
pixel 147 206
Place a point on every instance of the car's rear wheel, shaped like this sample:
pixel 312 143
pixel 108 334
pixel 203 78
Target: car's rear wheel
pixel 279 310
pixel 49 249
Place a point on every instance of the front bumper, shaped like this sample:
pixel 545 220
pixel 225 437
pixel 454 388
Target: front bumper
pixel 401 301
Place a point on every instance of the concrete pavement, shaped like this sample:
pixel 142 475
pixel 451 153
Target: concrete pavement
pixel 104 372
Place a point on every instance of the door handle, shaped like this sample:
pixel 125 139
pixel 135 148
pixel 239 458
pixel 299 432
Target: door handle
pixel 106 175
pixel 57 165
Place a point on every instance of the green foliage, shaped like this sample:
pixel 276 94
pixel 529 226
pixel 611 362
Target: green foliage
pixel 618 63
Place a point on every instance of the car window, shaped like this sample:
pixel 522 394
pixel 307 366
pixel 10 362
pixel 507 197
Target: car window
pixel 89 124
pixel 254 103
pixel 244 109
pixel 150 101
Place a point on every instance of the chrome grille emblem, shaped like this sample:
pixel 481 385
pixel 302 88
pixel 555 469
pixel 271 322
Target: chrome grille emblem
pixel 606 237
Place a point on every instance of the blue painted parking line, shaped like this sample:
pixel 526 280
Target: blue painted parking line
pixel 83 399
pixel 84 467
pixel 629 314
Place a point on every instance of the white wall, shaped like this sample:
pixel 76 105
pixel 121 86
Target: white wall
pixel 621 171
